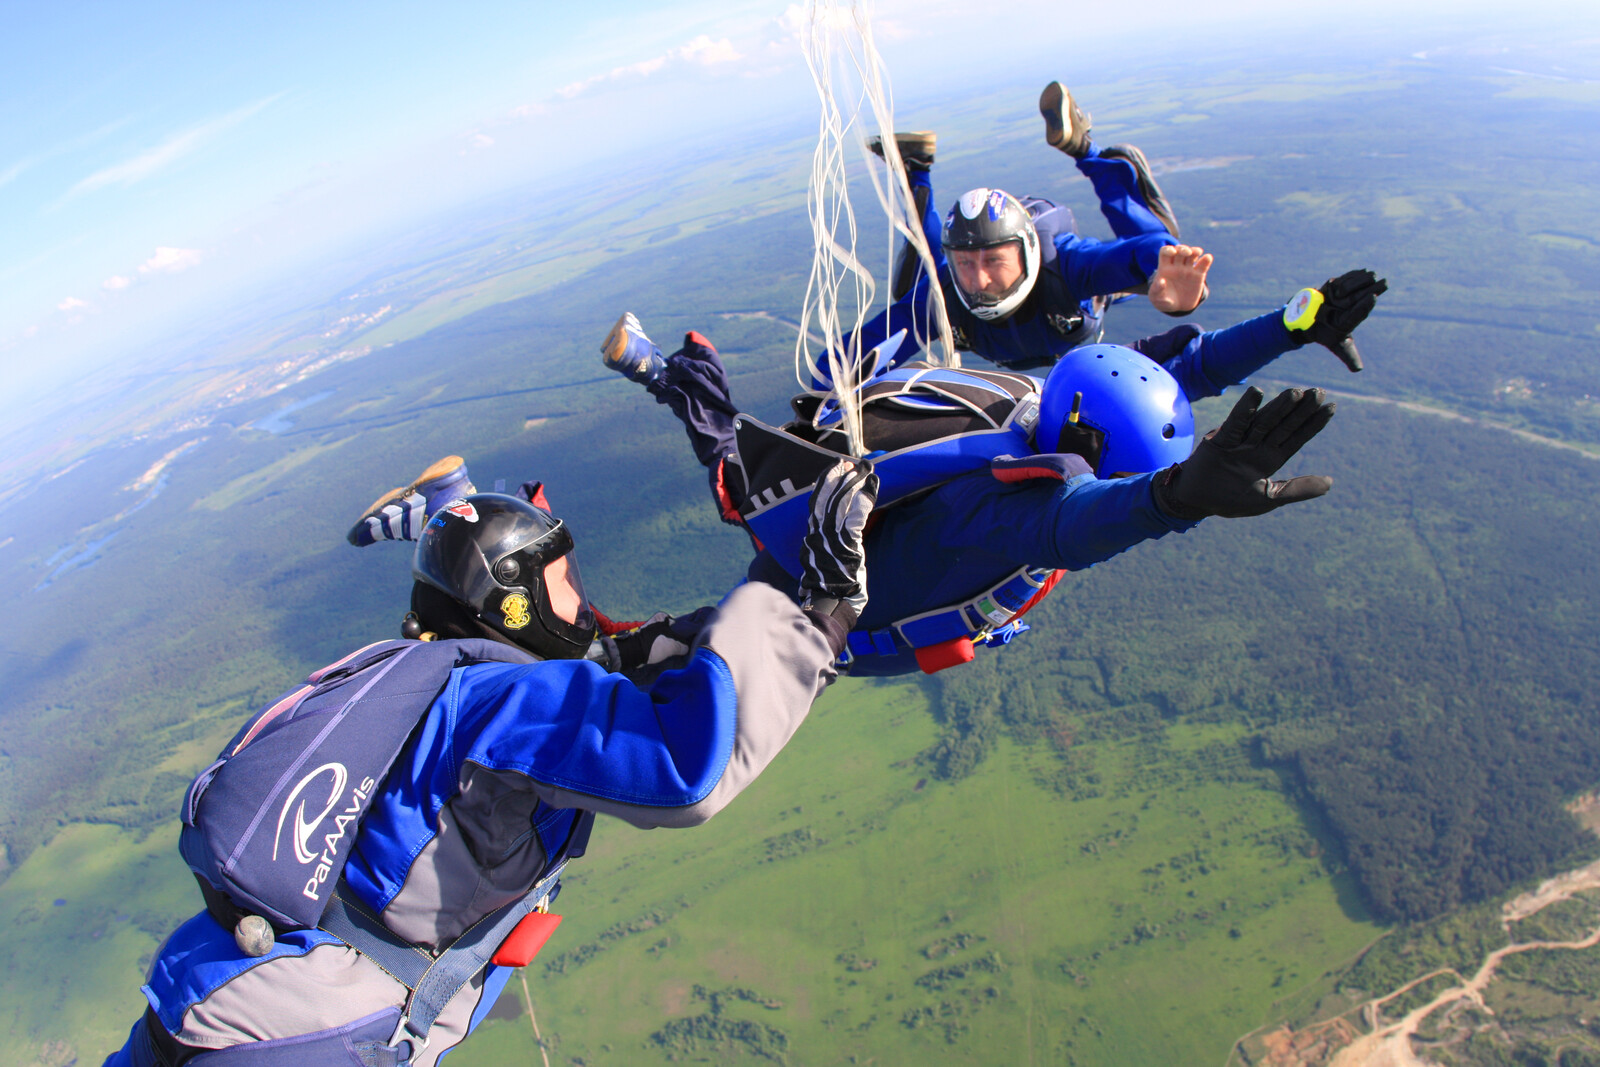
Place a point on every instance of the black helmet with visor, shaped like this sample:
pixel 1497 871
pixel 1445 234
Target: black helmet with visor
pixel 509 563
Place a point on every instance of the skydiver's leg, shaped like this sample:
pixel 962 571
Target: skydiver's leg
pixel 1132 203
pixel 917 153
pixel 693 384
pixel 1129 197
pixel 1122 182
pixel 695 387
pixel 398 515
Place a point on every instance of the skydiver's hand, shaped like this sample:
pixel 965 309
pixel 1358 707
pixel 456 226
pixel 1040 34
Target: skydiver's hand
pixel 1330 314
pixel 1230 471
pixel 833 580
pixel 659 638
pixel 1178 285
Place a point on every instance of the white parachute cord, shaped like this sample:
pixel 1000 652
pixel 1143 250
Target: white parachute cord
pixel 832 263
pixel 839 47
pixel 898 203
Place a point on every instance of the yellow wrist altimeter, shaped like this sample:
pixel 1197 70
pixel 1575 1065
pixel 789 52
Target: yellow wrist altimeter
pixel 1301 310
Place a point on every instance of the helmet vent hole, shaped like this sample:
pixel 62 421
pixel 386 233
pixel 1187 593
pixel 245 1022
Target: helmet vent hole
pixel 1113 374
pixel 1099 355
pixel 1168 432
pixel 1142 378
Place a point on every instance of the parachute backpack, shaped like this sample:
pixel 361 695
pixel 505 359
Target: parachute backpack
pixel 269 826
pixel 925 426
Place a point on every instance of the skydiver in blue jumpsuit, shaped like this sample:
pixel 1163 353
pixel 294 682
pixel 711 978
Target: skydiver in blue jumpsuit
pixel 527 725
pixel 970 533
pixel 1020 286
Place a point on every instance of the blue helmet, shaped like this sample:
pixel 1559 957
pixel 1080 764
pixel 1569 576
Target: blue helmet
pixel 1133 416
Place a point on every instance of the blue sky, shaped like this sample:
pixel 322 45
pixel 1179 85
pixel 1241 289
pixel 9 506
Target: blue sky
pixel 156 156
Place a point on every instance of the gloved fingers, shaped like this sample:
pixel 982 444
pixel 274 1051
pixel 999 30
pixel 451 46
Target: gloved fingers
pixel 1294 490
pixel 1233 429
pixel 838 491
pixel 1271 416
pixel 834 560
pixel 1345 349
pixel 859 507
pixel 1351 283
pixel 1303 422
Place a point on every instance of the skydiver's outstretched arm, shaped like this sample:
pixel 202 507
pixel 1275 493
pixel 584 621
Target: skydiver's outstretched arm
pixel 1207 362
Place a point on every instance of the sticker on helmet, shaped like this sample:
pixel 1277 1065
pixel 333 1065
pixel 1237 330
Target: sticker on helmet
pixel 463 508
pixel 972 202
pixel 997 204
pixel 515 610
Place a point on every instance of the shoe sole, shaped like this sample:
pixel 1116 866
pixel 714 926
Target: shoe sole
pixel 438 469
pixel 1153 197
pixel 918 145
pixel 615 345
pixel 1055 104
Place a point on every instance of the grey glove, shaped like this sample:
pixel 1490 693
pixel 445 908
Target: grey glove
pixel 1230 471
pixel 833 578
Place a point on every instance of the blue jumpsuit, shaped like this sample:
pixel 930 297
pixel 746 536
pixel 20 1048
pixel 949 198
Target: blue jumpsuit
pixel 482 802
pixel 972 532
pixel 1061 312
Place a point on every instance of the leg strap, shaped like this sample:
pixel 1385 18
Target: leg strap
pixel 433 980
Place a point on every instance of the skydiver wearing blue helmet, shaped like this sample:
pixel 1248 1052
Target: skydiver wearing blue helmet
pixel 1107 459
pixel 1021 286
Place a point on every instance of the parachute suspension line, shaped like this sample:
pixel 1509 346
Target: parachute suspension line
pixel 899 205
pixel 838 45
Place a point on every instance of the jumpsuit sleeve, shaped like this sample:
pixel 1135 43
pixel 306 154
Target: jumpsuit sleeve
pixel 670 755
pixel 1068 526
pixel 1101 268
pixel 1216 359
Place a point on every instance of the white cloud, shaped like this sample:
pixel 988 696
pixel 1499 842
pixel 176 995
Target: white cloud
pixel 706 52
pixel 480 140
pixel 702 51
pixel 156 159
pixel 116 281
pixel 71 303
pixel 170 260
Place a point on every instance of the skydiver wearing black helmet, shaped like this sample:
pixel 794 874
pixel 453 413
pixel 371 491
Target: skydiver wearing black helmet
pixel 484 744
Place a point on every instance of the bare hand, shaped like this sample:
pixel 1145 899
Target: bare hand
pixel 1179 283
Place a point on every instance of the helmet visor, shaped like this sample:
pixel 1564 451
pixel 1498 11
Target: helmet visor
pixel 563 586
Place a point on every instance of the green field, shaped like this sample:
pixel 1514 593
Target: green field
pixel 852 910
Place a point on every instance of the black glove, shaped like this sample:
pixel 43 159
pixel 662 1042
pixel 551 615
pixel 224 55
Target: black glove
pixel 1346 302
pixel 833 579
pixel 659 638
pixel 1230 471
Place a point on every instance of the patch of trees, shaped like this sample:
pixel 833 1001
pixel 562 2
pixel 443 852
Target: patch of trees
pixel 1414 652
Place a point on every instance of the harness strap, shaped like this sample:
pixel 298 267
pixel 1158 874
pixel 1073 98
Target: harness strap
pixel 991 617
pixel 433 980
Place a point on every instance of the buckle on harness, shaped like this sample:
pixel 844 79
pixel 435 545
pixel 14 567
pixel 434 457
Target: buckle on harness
pixel 1004 635
pixel 403 1032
